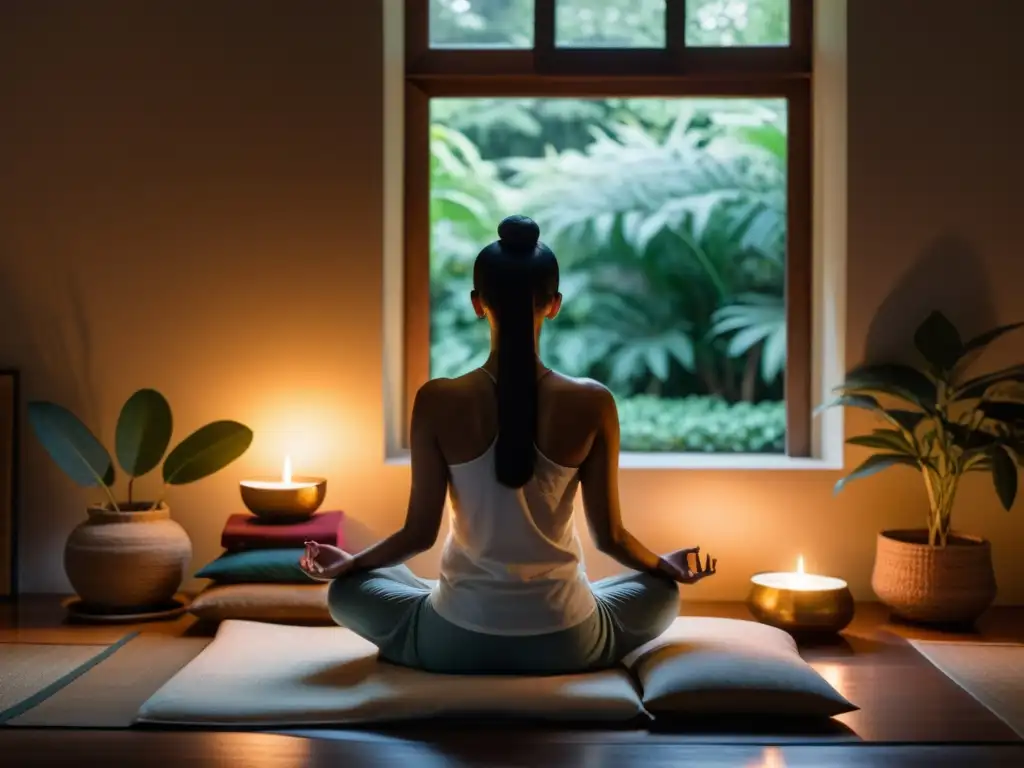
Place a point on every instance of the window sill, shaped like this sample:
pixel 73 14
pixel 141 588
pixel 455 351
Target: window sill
pixel 699 461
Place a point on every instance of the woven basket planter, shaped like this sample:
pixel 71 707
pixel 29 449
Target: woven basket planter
pixel 954 584
pixel 123 560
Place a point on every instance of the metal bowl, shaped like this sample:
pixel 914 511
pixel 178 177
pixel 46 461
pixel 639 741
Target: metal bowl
pixel 822 611
pixel 283 505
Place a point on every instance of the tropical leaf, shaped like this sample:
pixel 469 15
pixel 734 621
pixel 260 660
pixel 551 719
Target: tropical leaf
pixel 143 432
pixel 71 444
pixel 866 402
pixel 908 420
pixel 884 439
pixel 875 464
pixel 207 450
pixel 938 341
pixel 1004 476
pixel 1003 410
pixel 755 319
pixel 894 379
pixel 983 340
pixel 979 386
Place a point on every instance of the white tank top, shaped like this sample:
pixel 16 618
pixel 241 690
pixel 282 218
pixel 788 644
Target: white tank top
pixel 512 563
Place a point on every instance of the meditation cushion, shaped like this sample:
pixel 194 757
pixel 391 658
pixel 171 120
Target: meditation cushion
pixel 708 666
pixel 305 603
pixel 246 531
pixel 267 675
pixel 257 566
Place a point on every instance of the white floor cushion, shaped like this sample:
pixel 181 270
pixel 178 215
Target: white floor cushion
pixel 256 674
pixel 704 666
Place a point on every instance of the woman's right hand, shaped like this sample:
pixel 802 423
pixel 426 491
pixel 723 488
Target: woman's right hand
pixel 676 565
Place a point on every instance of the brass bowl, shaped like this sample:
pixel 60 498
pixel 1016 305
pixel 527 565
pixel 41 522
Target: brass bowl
pixel 273 504
pixel 822 611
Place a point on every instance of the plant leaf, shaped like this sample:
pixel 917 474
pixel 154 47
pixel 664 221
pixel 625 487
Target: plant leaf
pixel 867 402
pixel 982 340
pixel 907 420
pixel 877 463
pixel 71 444
pixel 895 379
pixel 885 439
pixel 143 432
pixel 207 450
pixel 938 341
pixel 977 386
pixel 1003 410
pixel 1004 476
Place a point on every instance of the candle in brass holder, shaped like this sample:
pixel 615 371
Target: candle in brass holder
pixel 801 603
pixel 285 500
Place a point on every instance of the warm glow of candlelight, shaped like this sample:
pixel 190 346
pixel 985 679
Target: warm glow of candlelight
pixel 288 481
pixel 799 580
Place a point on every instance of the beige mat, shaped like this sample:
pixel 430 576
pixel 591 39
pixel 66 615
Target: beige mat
pixel 109 695
pixel 30 670
pixel 266 675
pixel 993 673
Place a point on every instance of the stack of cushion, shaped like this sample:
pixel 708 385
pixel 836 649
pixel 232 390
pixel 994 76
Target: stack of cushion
pixel 258 576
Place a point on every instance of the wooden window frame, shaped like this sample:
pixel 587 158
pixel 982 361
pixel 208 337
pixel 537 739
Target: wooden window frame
pixel 677 70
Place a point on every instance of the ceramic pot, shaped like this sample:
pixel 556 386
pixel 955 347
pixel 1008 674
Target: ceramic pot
pixel 127 559
pixel 954 584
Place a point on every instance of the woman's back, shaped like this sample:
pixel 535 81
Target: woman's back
pixel 512 563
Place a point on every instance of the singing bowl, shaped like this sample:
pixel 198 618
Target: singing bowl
pixel 805 612
pixel 284 505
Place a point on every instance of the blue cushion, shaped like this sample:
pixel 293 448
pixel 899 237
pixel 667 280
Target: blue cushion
pixel 257 566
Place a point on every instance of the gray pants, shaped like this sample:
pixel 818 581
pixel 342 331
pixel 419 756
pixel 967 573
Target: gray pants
pixel 390 608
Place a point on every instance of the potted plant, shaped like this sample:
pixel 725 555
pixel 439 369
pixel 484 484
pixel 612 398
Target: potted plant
pixel 129 555
pixel 944 424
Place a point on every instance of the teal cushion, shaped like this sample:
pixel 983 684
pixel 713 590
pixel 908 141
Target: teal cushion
pixel 257 566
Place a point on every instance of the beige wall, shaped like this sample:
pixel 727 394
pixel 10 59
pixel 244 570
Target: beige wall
pixel 190 198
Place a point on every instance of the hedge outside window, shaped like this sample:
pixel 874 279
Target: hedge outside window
pixel 664 148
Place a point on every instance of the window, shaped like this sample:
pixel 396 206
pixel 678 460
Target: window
pixel 664 147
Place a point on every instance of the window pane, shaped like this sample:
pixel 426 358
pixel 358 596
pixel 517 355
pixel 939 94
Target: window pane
pixel 714 23
pixel 610 23
pixel 481 23
pixel 669 220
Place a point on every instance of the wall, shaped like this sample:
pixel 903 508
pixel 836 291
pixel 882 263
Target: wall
pixel 190 198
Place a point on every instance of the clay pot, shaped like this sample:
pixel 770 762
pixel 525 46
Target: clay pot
pixel 135 558
pixel 954 584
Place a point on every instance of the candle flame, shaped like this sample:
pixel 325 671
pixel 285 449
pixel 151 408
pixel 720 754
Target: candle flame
pixel 286 471
pixel 800 564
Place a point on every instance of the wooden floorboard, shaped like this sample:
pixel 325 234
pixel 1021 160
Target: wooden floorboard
pixel 908 708
pixel 131 749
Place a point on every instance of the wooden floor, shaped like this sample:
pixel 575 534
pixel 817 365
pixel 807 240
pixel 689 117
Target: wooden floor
pixel 911 715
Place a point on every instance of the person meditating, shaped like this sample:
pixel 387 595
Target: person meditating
pixel 510 442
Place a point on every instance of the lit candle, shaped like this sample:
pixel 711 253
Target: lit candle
pixel 286 483
pixel 290 498
pixel 800 602
pixel 798 581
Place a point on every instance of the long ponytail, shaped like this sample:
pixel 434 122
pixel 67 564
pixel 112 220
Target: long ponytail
pixel 513 276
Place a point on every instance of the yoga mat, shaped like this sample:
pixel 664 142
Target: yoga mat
pixel 110 693
pixel 32 672
pixel 993 673
pixel 258 675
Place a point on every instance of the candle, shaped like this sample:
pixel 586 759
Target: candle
pixel 286 483
pixel 798 581
pixel 289 499
pixel 800 602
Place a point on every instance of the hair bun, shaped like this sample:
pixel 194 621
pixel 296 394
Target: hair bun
pixel 520 232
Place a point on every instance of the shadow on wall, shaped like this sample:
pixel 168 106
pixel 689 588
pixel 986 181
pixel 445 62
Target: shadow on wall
pixel 46 336
pixel 949 276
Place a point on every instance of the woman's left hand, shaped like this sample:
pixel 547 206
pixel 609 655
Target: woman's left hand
pixel 324 562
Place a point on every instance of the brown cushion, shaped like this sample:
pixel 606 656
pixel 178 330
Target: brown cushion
pixel 305 603
pixel 706 666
